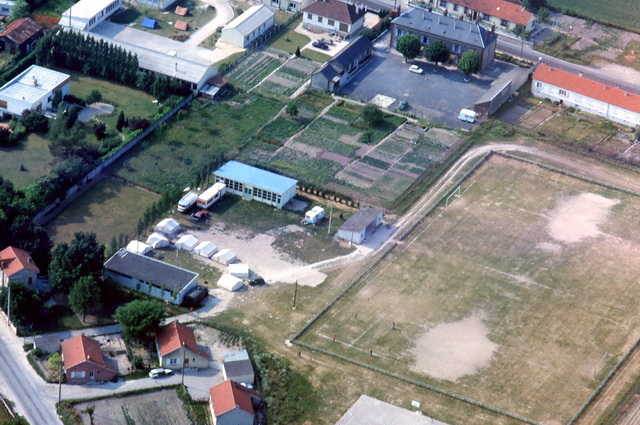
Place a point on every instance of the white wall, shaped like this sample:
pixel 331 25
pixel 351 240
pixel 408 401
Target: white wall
pixel 155 291
pixel 328 25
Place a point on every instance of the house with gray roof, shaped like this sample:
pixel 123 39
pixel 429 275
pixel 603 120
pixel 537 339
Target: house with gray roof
pixel 150 276
pixel 333 16
pixel 237 367
pixel 360 225
pixel 249 27
pixel 458 35
pixel 337 72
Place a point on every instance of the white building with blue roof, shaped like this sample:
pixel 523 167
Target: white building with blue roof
pixel 34 88
pixel 256 184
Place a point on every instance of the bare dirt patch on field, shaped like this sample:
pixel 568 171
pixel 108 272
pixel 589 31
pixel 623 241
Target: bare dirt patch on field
pixel 579 217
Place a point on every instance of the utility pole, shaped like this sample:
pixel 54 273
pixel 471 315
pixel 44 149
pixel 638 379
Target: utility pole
pixel 60 383
pixel 330 215
pixel 184 354
pixel 9 303
pixel 295 294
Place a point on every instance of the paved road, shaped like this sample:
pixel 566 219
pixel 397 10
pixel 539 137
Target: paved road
pixel 224 14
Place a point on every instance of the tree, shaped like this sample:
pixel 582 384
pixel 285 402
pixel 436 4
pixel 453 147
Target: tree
pixel 54 361
pixel 94 96
pixel 21 9
pixel 543 14
pixel 122 122
pixel 369 33
pixel 100 130
pixel 30 236
pixel 25 303
pixel 298 52
pixel 518 30
pixel 292 109
pixel 436 51
pixel 84 295
pixel 34 121
pixel 409 46
pixel 139 319
pixel 84 256
pixel 371 115
pixel 534 5
pixel 469 63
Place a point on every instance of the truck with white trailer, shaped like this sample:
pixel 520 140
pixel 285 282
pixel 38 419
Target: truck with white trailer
pixel 211 195
pixel 313 216
pixel 187 201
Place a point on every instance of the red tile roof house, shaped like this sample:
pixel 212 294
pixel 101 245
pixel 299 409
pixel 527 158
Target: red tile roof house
pixel 503 13
pixel 233 404
pixel 21 34
pixel 176 343
pixel 587 95
pixel 16 265
pixel 83 361
pixel 333 16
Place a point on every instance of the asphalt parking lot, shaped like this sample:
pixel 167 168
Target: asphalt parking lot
pixel 437 95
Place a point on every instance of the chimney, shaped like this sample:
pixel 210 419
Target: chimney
pixel 1 265
pixel 617 86
pixel 605 87
pixel 626 94
pixel 88 357
pixel 580 74
pixel 35 81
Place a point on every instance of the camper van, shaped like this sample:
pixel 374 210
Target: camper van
pixel 468 115
pixel 187 201
pixel 211 195
pixel 313 216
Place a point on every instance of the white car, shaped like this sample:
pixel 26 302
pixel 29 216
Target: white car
pixel 154 373
pixel 415 69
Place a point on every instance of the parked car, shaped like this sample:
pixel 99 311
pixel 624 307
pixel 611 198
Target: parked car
pixel 202 215
pixel 320 45
pixel 415 69
pixel 403 105
pixel 257 280
pixel 155 373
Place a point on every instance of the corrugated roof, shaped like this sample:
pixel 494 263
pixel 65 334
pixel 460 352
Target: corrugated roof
pixel 13 260
pixel 503 9
pixel 360 220
pixel 33 84
pixel 229 395
pixel 86 9
pixel 263 179
pixel 150 270
pixel 251 20
pixel 21 30
pixel 446 27
pixel 337 10
pixel 172 336
pixel 80 349
pixel 587 87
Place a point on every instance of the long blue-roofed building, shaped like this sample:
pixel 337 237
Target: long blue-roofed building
pixel 256 184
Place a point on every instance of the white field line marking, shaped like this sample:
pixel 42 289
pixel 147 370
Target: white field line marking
pixel 535 390
pixel 525 280
pixel 365 331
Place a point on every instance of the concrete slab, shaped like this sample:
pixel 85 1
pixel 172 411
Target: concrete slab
pixel 370 411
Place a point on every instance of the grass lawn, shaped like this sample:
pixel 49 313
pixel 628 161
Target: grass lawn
pixel 193 140
pixel 614 12
pixel 559 45
pixel 109 208
pixel 289 40
pixel 280 129
pixel 4 415
pixel 53 8
pixel 34 151
pixel 314 55
pixel 510 265
pixel 631 56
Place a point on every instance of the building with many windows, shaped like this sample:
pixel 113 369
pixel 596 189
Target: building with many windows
pixel 333 16
pixel 249 27
pixel 87 14
pixel 459 36
pixel 256 184
pixel 504 14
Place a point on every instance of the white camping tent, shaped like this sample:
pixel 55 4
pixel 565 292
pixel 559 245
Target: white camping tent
pixel 230 283
pixel 157 240
pixel 187 242
pixel 225 256
pixel 168 226
pixel 138 247
pixel 206 249
pixel 239 270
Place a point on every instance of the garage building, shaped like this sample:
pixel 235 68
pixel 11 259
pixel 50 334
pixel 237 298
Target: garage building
pixel 360 225
pixel 256 184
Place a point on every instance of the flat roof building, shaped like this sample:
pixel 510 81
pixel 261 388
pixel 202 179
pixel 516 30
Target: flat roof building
pixel 87 14
pixel 360 225
pixel 34 88
pixel 256 184
pixel 248 27
pixel 148 275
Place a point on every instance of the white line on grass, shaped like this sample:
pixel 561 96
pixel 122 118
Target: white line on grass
pixel 525 280
pixel 365 331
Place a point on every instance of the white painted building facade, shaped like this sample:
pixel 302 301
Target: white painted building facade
pixel 33 89
pixel 87 14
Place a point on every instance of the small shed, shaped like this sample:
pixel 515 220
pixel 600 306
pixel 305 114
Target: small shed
pixel 138 247
pixel 181 25
pixel 168 226
pixel 157 240
pixel 230 283
pixel 181 11
pixel 48 343
pixel 206 249
pixel 187 243
pixel 360 225
pixel 237 367
pixel 149 23
pixel 225 256
pixel 239 270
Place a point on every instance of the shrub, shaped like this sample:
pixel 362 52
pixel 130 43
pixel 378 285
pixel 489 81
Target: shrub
pixel 34 121
pixel 137 362
pixel 5 137
pixel 94 96
pixel 100 130
pixel 137 123
pixel 74 100
pixel 36 352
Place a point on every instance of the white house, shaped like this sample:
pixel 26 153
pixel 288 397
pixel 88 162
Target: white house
pixel 34 88
pixel 360 225
pixel 333 16
pixel 248 27
pixel 6 7
pixel 150 276
pixel 587 95
pixel 87 14
pixel 16 265
pixel 177 348
pixel 159 4
pixel 288 5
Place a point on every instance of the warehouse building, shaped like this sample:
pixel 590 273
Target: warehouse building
pixel 256 184
pixel 33 89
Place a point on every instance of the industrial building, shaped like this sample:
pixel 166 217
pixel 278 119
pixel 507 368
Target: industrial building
pixel 87 14
pixel 34 88
pixel 256 184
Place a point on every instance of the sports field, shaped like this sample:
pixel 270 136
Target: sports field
pixel 521 294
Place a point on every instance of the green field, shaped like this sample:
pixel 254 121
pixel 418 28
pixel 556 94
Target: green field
pixel 514 295
pixel 289 40
pixel 109 208
pixel 34 151
pixel 620 13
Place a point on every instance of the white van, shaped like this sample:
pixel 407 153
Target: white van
pixel 187 201
pixel 468 115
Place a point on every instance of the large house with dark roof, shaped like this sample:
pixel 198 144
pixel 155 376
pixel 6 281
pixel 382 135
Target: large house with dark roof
pixel 20 35
pixel 83 361
pixel 16 265
pixel 459 36
pixel 587 95
pixel 177 348
pixel 233 404
pixel 501 13
pixel 150 276
pixel 333 16
pixel 337 72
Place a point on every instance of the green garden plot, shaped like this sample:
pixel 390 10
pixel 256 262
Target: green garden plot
pixel 304 167
pixel 326 134
pixel 254 68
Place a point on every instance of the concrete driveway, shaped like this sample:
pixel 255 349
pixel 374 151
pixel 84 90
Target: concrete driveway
pixel 224 14
pixel 437 95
